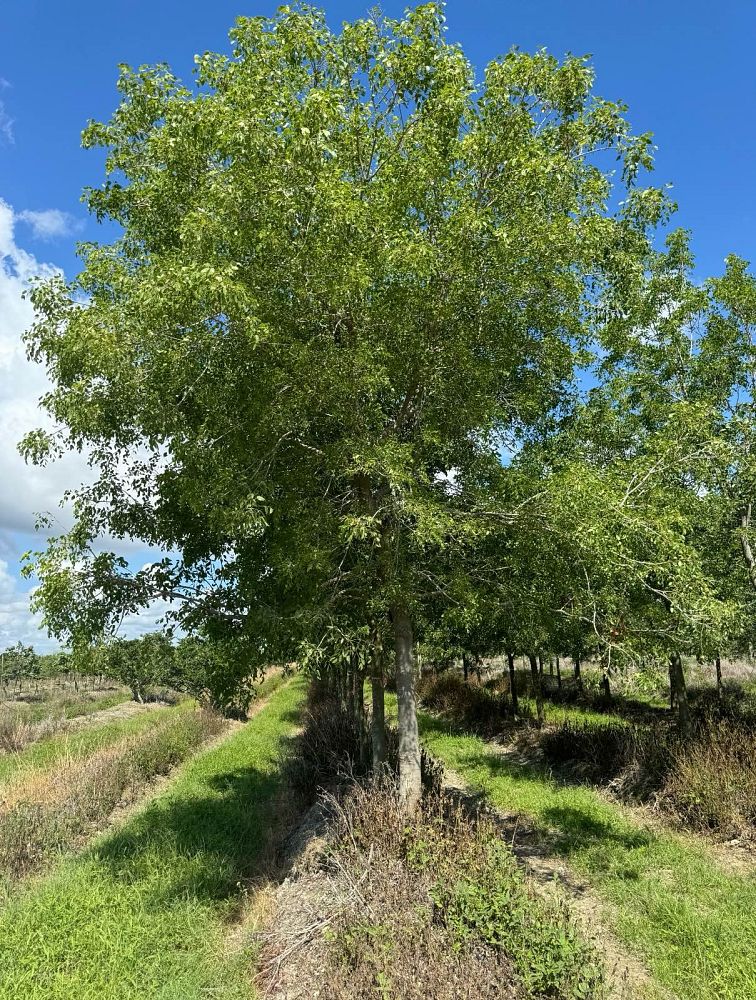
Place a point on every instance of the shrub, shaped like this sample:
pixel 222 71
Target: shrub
pixel 443 910
pixel 481 708
pixel 708 781
pixel 711 784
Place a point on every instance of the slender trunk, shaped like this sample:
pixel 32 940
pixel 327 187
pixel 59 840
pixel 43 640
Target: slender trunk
pixel 409 739
pixel 578 675
pixel 359 713
pixel 559 674
pixel 350 689
pixel 677 685
pixel 536 678
pixel 551 666
pixel 378 722
pixel 540 665
pixel 745 545
pixel 465 666
pixel 606 689
pixel 718 668
pixel 513 683
pixel 477 669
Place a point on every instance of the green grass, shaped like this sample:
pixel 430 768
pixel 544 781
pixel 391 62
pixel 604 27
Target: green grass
pixel 79 743
pixel 689 920
pixel 141 914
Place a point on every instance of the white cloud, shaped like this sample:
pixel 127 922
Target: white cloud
pixel 51 223
pixel 28 490
pixel 17 624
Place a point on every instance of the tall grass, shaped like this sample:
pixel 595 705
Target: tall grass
pixel 141 914
pixel 69 803
pixel 46 752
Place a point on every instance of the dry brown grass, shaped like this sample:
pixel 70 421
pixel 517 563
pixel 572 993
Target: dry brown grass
pixel 437 910
pixel 51 811
pixel 711 784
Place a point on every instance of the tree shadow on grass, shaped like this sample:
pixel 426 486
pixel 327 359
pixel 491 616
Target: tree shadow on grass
pixel 202 846
pixel 560 829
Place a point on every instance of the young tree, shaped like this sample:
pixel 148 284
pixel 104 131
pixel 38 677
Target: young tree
pixel 347 271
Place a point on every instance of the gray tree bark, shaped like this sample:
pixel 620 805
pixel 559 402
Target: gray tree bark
pixel 409 738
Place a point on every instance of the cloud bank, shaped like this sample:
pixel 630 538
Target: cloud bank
pixel 25 490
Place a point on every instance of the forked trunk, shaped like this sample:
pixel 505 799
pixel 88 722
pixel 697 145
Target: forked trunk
pixel 409 739
pixel 513 683
pixel 536 678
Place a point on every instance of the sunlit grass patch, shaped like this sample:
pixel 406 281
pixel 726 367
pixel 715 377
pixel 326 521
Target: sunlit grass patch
pixel 689 919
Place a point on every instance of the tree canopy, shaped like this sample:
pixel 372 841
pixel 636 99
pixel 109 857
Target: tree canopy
pixel 348 278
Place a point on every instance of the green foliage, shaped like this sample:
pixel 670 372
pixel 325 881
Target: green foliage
pixel 493 903
pixel 390 267
pixel 140 664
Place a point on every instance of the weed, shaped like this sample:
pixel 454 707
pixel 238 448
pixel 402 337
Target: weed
pixel 442 909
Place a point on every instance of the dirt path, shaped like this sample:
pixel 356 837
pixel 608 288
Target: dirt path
pixel 627 977
pixel 123 710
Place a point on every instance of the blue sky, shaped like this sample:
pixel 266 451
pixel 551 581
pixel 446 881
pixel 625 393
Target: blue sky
pixel 684 69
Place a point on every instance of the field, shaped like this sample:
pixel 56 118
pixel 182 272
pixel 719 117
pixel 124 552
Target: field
pixel 141 856
pixel 677 899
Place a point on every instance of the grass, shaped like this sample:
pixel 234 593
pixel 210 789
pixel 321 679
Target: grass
pixel 142 913
pixel 689 919
pixel 79 743
pixel 64 705
pixel 443 911
pixel 24 722
pixel 58 810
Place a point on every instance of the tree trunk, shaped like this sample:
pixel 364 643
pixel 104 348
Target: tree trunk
pixel 349 680
pixel 679 692
pixel 378 722
pixel 745 544
pixel 513 683
pixel 559 674
pixel 551 666
pixel 536 678
pixel 359 713
pixel 465 666
pixel 718 668
pixel 578 675
pixel 540 665
pixel 409 739
pixel 606 689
